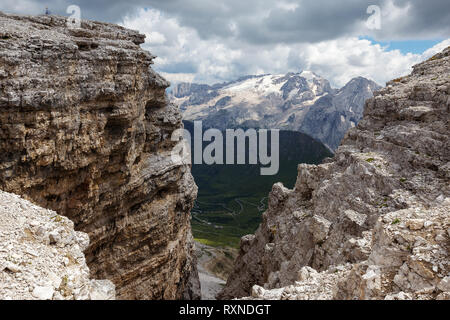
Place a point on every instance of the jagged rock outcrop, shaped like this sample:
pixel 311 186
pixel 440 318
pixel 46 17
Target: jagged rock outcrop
pixel 85 130
pixel 302 102
pixel 372 223
pixel 41 256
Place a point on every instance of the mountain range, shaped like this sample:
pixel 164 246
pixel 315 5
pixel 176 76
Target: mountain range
pixel 303 102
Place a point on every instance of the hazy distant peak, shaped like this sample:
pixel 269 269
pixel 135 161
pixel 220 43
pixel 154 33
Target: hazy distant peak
pixel 302 101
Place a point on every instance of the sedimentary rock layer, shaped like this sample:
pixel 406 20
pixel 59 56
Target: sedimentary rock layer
pixel 41 256
pixel 85 130
pixel 372 223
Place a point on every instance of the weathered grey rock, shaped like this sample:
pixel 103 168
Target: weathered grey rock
pixel 379 211
pixel 85 130
pixel 296 101
pixel 333 115
pixel 403 260
pixel 31 267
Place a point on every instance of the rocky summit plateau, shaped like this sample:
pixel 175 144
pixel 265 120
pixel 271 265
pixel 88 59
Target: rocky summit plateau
pixel 85 130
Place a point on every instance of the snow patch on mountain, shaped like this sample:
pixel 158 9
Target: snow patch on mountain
pixel 301 101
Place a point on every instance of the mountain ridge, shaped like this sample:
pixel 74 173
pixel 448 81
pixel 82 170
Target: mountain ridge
pixel 372 222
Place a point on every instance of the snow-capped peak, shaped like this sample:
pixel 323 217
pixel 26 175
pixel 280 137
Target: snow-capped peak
pixel 264 84
pixel 308 75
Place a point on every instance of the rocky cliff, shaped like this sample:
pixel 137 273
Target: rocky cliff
pixel 372 223
pixel 85 130
pixel 41 256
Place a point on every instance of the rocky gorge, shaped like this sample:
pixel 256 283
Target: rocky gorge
pixel 373 222
pixel 92 205
pixel 85 130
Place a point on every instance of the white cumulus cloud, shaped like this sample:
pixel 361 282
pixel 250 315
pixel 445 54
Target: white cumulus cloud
pixel 184 56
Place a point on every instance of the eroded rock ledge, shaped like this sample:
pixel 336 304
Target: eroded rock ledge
pixel 372 223
pixel 85 131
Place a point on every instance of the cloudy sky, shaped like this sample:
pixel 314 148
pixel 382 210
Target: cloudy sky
pixel 212 41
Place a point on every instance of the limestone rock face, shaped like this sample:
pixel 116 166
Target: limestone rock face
pixel 85 130
pixel 372 223
pixel 41 256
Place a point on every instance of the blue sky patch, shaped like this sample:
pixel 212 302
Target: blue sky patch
pixel 410 46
